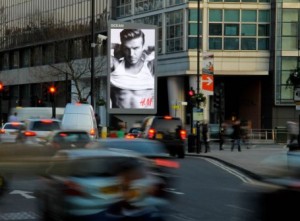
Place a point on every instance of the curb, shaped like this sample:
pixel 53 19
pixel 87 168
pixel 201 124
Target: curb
pixel 247 172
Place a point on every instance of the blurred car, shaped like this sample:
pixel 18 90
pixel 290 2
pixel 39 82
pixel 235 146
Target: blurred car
pixel 37 130
pixel 9 131
pixel 68 139
pixel 134 132
pixel 163 165
pixel 81 184
pixel 168 130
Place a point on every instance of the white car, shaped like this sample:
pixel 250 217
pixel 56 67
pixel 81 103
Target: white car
pixel 37 130
pixel 9 132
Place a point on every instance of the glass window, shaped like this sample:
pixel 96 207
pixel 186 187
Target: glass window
pixel 249 15
pixel 5 61
pixel 215 29
pixel 215 15
pixel 289 43
pixel 37 56
pixel 231 15
pixel 289 15
pixel 248 30
pixel 25 57
pixel 16 59
pixel 193 15
pixel 174 31
pixel 289 29
pixel 231 43
pixel 248 44
pixel 192 42
pixel 264 30
pixel 215 43
pixel 263 44
pixel 231 29
pixel 193 29
pixel 48 54
pixel 289 63
pixel 173 2
pixel 264 16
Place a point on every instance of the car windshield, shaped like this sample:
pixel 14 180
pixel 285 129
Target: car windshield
pixel 45 125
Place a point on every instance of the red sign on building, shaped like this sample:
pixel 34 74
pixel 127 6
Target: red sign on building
pixel 207 83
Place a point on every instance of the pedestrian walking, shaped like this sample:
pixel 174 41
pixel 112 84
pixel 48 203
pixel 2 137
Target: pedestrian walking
pixel 205 137
pixel 236 135
pixel 13 117
pixel 222 137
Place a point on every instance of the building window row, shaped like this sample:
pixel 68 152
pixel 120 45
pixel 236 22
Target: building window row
pixel 129 7
pixel 58 52
pixel 239 29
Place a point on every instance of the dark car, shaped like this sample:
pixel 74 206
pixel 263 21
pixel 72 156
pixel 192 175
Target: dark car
pixel 168 130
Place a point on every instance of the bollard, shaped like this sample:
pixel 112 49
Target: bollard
pixel 104 132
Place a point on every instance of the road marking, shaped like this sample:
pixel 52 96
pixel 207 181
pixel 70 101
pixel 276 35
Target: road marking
pixel 172 190
pixel 234 172
pixel 23 193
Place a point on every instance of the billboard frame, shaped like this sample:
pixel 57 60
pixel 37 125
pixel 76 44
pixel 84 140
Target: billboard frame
pixel 114 28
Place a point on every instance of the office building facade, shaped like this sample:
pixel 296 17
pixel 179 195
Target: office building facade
pixel 255 44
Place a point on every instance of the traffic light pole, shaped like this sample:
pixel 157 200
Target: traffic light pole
pixel 198 145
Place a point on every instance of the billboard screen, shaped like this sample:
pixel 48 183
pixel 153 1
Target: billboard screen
pixel 131 79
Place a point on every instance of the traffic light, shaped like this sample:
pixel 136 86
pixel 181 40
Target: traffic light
pixel 217 100
pixel 1 86
pixel 191 92
pixel 52 92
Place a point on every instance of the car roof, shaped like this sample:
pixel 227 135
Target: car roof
pixel 41 119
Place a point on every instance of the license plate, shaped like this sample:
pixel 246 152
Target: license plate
pixel 110 189
pixel 159 136
pixel 12 133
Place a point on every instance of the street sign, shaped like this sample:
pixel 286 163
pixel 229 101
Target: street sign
pixel 198 114
pixel 207 77
pixel 207 83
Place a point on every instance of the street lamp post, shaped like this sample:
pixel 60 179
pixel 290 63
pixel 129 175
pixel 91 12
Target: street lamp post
pixel 93 45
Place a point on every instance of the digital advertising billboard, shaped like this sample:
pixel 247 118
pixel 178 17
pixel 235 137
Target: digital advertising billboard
pixel 132 82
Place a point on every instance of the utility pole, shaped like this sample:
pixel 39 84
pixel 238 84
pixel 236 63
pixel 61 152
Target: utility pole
pixel 198 142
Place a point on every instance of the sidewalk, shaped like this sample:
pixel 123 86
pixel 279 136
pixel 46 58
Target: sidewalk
pixel 260 160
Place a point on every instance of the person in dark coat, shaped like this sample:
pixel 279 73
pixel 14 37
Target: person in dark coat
pixel 236 135
pixel 205 136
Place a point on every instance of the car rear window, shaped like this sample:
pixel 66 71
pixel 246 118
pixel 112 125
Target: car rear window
pixel 12 126
pixel 166 125
pixel 45 126
pixel 70 137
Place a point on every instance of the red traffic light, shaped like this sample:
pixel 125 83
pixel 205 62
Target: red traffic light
pixel 52 90
pixel 1 86
pixel 191 92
